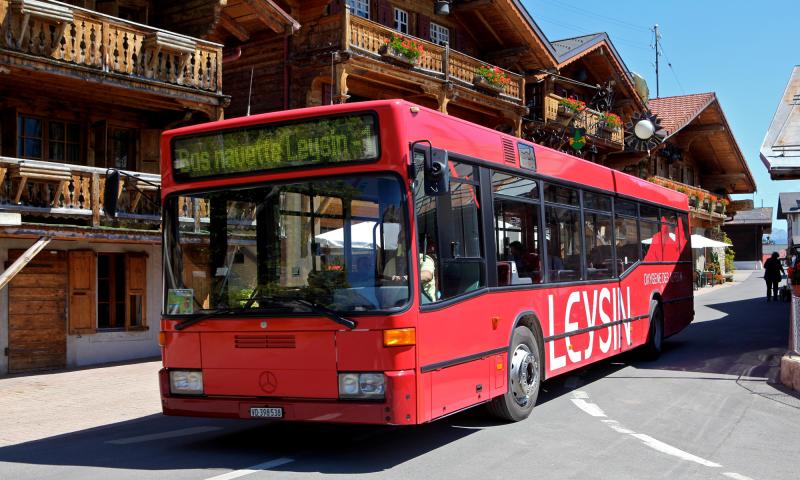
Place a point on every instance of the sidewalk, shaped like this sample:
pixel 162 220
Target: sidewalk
pixel 40 406
pixel 738 277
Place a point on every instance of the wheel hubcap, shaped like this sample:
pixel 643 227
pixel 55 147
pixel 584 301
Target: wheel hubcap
pixel 524 375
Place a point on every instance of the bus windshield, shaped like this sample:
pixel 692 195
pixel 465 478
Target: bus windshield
pixel 339 243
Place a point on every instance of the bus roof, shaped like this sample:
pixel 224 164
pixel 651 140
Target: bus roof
pixel 416 122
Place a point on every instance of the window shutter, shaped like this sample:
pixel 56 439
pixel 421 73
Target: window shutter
pixel 457 39
pixel 424 27
pixel 100 131
pixel 150 149
pixel 135 290
pixel 82 294
pixel 385 16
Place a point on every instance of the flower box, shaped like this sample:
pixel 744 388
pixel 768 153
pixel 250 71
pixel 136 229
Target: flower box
pixel 482 83
pixel 392 55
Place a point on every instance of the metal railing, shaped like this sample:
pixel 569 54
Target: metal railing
pixel 794 325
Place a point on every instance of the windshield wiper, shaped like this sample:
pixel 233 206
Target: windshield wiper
pixel 279 302
pixel 327 312
pixel 314 307
pixel 199 317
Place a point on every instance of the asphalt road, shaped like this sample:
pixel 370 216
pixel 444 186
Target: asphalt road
pixel 705 409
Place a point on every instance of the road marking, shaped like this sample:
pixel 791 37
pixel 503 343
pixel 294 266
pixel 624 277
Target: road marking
pixel 736 476
pixel 675 452
pixel 589 408
pixel 580 399
pixel 159 436
pixel 255 468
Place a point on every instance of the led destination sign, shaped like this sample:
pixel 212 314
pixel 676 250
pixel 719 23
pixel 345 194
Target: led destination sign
pixel 259 148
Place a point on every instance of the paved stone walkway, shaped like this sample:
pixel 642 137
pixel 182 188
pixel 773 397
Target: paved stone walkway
pixel 43 405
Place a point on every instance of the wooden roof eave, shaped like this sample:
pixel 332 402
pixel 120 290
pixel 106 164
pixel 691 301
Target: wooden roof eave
pixel 735 145
pixel 616 63
pixel 541 45
pixel 729 134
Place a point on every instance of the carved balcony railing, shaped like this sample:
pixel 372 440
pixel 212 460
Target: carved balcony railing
pixel 587 119
pixel 351 32
pixel 702 202
pixel 448 64
pixel 71 35
pixel 57 190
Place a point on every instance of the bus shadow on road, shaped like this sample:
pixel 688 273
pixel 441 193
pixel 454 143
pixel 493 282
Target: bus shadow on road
pixel 234 444
pixel 744 337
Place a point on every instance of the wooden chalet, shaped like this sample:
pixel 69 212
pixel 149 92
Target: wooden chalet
pixel 88 85
pixel 291 54
pixel 591 71
pixel 699 156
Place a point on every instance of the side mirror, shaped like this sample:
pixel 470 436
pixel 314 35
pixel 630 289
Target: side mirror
pixel 110 193
pixel 437 172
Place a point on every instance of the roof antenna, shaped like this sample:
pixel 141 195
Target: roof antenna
pixel 250 93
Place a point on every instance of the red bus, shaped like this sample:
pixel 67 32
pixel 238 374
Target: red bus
pixel 383 263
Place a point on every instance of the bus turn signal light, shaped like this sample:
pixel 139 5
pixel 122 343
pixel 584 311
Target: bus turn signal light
pixel 399 336
pixel 162 339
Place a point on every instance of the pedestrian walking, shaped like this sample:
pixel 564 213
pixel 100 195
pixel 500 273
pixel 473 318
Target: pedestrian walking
pixel 773 272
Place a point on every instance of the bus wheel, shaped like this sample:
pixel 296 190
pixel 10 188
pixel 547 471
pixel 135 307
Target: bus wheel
pixel 655 335
pixel 524 378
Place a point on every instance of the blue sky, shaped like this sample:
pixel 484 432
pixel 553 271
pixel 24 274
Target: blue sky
pixel 742 50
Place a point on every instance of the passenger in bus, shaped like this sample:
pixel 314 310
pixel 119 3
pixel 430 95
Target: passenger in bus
pixel 527 263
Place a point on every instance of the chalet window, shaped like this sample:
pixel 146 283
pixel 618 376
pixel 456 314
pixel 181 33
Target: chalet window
pixel 31 143
pixel 121 278
pixel 359 7
pixel 63 142
pixel 440 35
pixel 401 20
pixel 48 139
pixel 121 152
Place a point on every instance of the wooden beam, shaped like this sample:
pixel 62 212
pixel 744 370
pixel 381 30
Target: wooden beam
pixel 702 129
pixel 23 260
pixel 489 27
pixel 273 16
pixel 263 16
pixel 473 5
pixel 505 54
pixel 234 28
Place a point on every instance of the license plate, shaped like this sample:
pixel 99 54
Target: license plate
pixel 266 412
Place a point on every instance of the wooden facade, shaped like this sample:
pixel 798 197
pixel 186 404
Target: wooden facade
pixel 590 71
pixel 323 51
pixel 88 85
pixel 699 156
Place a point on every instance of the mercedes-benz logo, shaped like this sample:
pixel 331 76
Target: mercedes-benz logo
pixel 268 382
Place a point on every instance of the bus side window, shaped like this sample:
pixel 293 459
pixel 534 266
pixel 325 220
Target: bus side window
pixel 626 234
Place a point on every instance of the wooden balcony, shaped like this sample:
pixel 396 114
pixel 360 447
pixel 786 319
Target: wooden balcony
pixel 61 35
pixel 367 37
pixel 57 190
pixel 364 38
pixel 708 209
pixel 588 119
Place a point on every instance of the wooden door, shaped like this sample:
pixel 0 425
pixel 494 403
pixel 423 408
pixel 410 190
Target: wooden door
pixel 37 330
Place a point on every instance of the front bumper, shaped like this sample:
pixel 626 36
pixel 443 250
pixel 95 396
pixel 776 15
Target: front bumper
pixel 398 408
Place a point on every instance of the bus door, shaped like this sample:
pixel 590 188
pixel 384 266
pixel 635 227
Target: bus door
pixel 453 337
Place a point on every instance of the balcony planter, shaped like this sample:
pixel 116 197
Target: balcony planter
pixel 483 84
pixel 396 57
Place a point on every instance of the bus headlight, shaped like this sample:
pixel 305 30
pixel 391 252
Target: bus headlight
pixel 186 382
pixel 367 386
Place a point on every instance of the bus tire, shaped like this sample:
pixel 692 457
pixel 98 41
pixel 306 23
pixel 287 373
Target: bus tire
pixel 655 334
pixel 524 378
